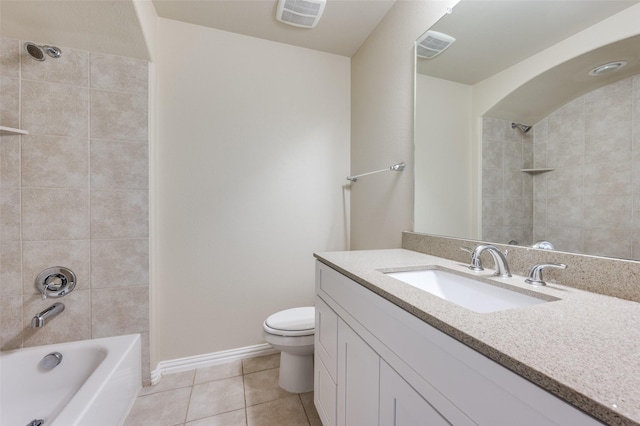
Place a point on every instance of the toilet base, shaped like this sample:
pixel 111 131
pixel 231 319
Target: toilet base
pixel 296 372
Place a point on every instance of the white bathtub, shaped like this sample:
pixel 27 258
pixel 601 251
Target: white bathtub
pixel 95 384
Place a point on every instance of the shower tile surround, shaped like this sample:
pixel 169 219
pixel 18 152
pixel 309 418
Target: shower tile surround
pixel 593 146
pixel 74 192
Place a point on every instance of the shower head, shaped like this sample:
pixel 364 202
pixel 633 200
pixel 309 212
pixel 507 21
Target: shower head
pixel 37 53
pixel 522 127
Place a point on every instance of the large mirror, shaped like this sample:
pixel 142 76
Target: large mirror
pixel 514 141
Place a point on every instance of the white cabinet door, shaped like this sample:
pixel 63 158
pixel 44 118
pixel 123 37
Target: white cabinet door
pixel 358 383
pixel 401 405
pixel 325 362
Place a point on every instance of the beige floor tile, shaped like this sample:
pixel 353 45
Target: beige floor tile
pixel 220 396
pixel 233 418
pixel 170 381
pixel 167 408
pixel 263 387
pixel 217 372
pixel 251 365
pixel 310 409
pixel 283 412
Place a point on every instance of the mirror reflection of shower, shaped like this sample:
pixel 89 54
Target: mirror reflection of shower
pixel 38 52
pixel 522 127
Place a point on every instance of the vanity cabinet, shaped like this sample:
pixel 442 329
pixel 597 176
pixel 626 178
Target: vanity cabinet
pixel 376 364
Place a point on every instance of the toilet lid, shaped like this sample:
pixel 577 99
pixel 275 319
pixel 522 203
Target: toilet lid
pixel 292 322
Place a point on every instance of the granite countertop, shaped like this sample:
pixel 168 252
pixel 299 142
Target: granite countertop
pixel 583 348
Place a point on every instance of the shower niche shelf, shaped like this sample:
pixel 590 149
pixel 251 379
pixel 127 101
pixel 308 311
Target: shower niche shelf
pixel 535 171
pixel 4 130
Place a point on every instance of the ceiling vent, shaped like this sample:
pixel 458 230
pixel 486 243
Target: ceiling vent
pixel 300 13
pixel 433 43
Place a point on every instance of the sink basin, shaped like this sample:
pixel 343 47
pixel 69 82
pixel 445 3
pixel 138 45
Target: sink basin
pixel 469 293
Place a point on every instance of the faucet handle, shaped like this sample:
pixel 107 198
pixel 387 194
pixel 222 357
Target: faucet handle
pixel 476 264
pixel 535 273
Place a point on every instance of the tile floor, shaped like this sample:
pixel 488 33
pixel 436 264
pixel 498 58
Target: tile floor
pixel 239 393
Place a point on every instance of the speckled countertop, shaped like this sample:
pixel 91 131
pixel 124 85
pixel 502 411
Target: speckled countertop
pixel 583 348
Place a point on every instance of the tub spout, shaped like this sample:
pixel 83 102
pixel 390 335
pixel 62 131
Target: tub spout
pixel 39 319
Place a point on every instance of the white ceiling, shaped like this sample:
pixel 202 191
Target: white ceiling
pixel 343 27
pixel 111 26
pixel 492 35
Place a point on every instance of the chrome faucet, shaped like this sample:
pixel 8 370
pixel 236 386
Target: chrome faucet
pixel 39 319
pixel 499 259
pixel 535 274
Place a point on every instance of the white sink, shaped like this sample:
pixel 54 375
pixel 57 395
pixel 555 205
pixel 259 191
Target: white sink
pixel 469 293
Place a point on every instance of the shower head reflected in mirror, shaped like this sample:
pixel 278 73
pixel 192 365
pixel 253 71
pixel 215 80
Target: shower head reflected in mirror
pixel 522 127
pixel 37 52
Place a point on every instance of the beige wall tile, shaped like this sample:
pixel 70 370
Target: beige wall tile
pixel 119 214
pixel 540 131
pixel 211 398
pixel 494 129
pixel 565 152
pixel 55 162
pixel 608 211
pixel 605 113
pixel 116 165
pixel 566 238
pixel 72 67
pixel 618 89
pixel 10 161
pixel 160 409
pixel 492 212
pixel 10 268
pixel 492 183
pixel 118 116
pixel 55 109
pixel 609 242
pixel 9 57
pixel 10 214
pixel 567 122
pixel 564 182
pixel 119 73
pixel 119 263
pixel 55 214
pixel 10 105
pixel 11 321
pixel 74 323
pixel 608 179
pixel 513 184
pixel 40 255
pixel 570 209
pixel 611 146
pixel 119 312
pixel 513 156
pixel 492 154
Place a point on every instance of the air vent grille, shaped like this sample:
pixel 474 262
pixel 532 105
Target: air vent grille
pixel 300 13
pixel 432 43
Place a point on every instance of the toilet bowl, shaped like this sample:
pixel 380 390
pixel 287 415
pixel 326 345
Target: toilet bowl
pixel 292 332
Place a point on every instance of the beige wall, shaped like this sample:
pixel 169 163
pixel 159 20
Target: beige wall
pixel 253 150
pixel 74 193
pixel 442 157
pixel 382 85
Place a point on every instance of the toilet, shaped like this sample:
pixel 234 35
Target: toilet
pixel 292 332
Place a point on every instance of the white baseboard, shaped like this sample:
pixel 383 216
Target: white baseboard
pixel 208 360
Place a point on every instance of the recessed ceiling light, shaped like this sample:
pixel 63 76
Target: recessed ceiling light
pixel 605 68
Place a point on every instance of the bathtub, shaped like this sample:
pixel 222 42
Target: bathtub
pixel 96 383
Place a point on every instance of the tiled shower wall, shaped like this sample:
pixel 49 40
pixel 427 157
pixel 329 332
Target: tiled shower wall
pixel 590 202
pixel 74 193
pixel 507 192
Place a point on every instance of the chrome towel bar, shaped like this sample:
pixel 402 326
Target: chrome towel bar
pixel 395 168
